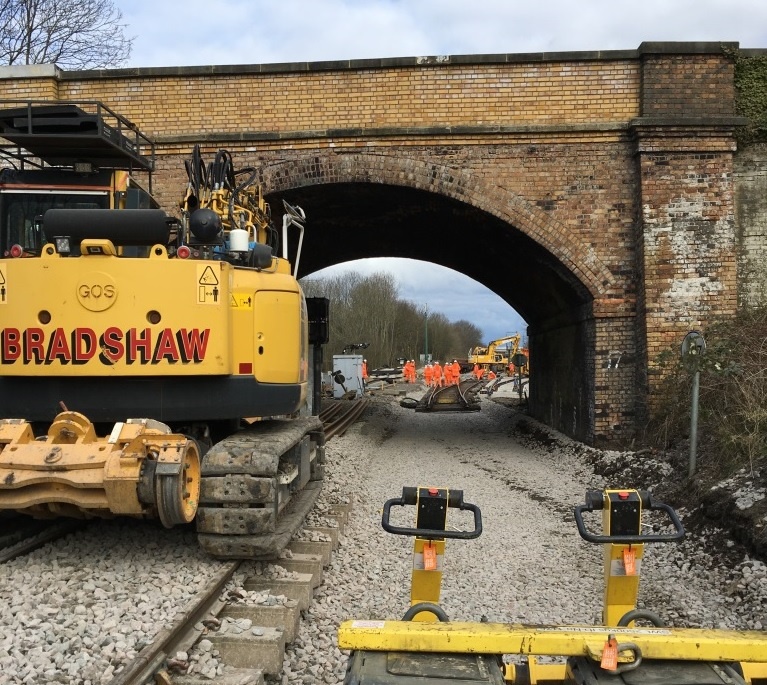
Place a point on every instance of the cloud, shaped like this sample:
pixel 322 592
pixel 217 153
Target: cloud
pixel 443 290
pixel 172 33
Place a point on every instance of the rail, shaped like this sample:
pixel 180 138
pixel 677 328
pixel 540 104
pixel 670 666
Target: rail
pixel 152 657
pixel 338 416
pixel 459 397
pixel 39 536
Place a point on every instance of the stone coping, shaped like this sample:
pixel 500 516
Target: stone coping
pixel 644 49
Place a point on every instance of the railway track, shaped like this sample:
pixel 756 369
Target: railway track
pixel 283 589
pixel 459 397
pixel 246 639
pixel 337 416
pixel 30 534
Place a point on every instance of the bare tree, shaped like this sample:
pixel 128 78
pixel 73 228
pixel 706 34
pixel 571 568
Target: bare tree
pixel 467 336
pixel 367 309
pixel 409 330
pixel 74 34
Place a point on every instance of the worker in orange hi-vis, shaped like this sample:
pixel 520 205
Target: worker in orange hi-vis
pixel 364 369
pixel 456 371
pixel 491 375
pixel 412 370
pixel 436 375
pixel 427 375
pixel 477 371
pixel 447 373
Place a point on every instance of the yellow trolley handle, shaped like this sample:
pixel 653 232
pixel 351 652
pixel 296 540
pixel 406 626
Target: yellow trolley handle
pixel 595 501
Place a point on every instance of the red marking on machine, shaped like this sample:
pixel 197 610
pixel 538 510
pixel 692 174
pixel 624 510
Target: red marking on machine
pixel 81 345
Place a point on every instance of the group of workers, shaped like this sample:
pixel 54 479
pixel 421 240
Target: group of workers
pixel 436 376
pixel 478 372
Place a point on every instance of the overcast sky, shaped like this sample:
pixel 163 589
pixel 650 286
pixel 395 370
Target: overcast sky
pixel 193 32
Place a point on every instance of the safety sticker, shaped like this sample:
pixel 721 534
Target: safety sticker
pixel 420 564
pixel 208 290
pixel 618 567
pixel 368 624
pixel 600 629
pixel 3 288
pixel 242 301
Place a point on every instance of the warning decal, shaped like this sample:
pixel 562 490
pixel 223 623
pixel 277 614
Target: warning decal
pixel 208 291
pixel 242 301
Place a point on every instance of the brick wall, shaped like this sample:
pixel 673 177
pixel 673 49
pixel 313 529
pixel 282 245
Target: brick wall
pixel 446 95
pixel 686 85
pixel 617 166
pixel 751 207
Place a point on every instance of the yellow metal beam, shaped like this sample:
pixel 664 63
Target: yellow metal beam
pixel 575 640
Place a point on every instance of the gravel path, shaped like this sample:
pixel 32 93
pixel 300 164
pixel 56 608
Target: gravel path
pixel 529 565
pixel 76 610
pixel 79 608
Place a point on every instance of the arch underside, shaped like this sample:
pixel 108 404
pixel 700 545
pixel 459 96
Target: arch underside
pixel 349 221
pixel 357 220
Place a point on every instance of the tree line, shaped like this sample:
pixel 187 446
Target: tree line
pixel 368 309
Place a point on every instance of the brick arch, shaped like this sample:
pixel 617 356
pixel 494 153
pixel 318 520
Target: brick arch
pixel 579 258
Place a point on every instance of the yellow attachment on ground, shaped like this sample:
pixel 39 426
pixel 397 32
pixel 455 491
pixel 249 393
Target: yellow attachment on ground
pixel 621 585
pixel 573 640
pixel 141 469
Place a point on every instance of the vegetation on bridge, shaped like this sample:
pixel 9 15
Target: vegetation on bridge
pixel 751 95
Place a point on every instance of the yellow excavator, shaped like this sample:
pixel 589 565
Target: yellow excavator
pixel 426 648
pixel 497 354
pixel 151 366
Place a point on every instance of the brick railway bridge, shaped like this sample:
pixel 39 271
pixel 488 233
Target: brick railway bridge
pixel 593 191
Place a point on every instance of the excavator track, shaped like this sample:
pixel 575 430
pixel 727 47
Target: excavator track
pixel 257 487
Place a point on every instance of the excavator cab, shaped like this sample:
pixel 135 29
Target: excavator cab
pixel 617 652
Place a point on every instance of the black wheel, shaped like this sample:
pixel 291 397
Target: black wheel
pixel 178 495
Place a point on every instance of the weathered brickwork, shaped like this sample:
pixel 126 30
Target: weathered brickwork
pixel 687 86
pixel 617 166
pixel 751 223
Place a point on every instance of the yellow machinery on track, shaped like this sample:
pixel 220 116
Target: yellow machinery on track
pixel 497 355
pixel 425 648
pixel 151 366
